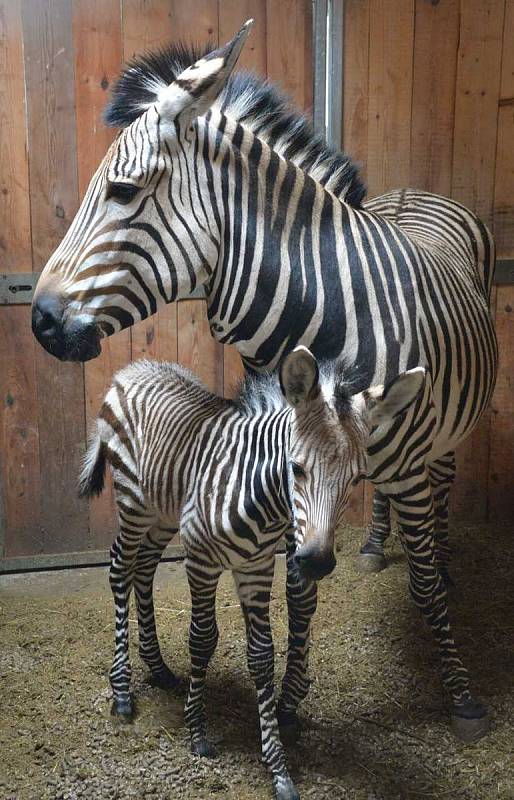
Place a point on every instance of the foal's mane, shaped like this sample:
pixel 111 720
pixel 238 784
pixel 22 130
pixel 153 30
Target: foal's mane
pixel 250 100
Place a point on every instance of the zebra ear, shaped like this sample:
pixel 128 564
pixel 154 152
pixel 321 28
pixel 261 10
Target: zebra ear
pixel 194 91
pixel 299 377
pixel 383 404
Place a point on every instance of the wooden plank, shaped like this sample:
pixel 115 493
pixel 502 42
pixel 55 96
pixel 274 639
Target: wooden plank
pixel 156 337
pixel 197 350
pixel 474 152
pixel 476 104
pixel 97 40
pixel 433 95
pixel 49 77
pixel 149 24
pixel 390 90
pixel 501 461
pixel 356 77
pixel 19 441
pixel 289 48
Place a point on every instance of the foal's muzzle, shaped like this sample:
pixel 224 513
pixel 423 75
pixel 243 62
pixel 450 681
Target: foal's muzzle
pixel 314 563
pixel 74 339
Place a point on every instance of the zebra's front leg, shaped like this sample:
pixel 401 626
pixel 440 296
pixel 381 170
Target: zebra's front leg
pixel 302 597
pixel 133 526
pixel 371 557
pixel 203 638
pixel 416 519
pixel 442 475
pixel 148 557
pixel 254 590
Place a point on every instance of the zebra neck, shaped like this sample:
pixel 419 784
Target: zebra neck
pixel 278 258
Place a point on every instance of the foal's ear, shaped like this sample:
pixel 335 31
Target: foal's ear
pixel 384 404
pixel 194 91
pixel 299 377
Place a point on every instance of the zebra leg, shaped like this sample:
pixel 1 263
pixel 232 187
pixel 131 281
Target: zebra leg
pixel 442 475
pixel 254 590
pixel 148 557
pixel 134 524
pixel 416 520
pixel 371 556
pixel 302 596
pixel 203 638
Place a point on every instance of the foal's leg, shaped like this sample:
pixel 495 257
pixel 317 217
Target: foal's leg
pixel 416 519
pixel 203 638
pixel 442 475
pixel 302 595
pixel 148 557
pixel 371 557
pixel 135 521
pixel 254 589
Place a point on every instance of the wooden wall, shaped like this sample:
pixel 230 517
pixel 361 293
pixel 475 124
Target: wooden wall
pixel 58 59
pixel 428 101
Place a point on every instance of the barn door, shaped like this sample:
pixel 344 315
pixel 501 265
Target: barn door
pixel 57 61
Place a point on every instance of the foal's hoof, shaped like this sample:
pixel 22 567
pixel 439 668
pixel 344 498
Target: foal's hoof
pixel 289 726
pixel 203 748
pixel 123 710
pixel 370 562
pixel 285 788
pixel 470 722
pixel 165 679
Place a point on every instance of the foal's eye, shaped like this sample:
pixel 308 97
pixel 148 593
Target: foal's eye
pixel 121 192
pixel 298 471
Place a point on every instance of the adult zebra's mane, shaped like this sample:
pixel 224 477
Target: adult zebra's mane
pixel 248 99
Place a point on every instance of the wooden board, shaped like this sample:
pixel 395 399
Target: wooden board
pixel 289 48
pixel 433 95
pixel 356 78
pixel 391 36
pixel 19 439
pixel 475 129
pixel 49 80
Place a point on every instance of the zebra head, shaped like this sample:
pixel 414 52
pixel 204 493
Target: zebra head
pixel 329 436
pixel 141 237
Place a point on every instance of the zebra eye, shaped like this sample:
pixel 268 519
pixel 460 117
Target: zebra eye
pixel 121 192
pixel 298 471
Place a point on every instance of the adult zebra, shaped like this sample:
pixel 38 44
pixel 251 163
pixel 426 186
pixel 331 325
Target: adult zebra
pixel 214 182
pixel 228 474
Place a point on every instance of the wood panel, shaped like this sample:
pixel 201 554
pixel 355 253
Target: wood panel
pixel 391 39
pixel 501 463
pixel 433 95
pixel 289 48
pixel 356 81
pixel 49 82
pixel 19 439
pixel 474 149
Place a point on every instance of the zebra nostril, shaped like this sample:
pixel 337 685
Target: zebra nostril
pixel 46 323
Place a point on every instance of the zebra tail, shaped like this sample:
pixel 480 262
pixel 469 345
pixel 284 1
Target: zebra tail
pixel 92 477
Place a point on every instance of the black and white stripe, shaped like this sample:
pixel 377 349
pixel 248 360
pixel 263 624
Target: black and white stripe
pixel 232 191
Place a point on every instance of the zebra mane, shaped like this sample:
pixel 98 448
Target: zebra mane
pixel 248 99
pixel 262 394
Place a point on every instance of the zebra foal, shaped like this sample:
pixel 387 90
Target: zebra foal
pixel 234 477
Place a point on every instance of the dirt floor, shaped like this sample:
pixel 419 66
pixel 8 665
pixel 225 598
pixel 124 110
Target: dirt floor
pixel 374 727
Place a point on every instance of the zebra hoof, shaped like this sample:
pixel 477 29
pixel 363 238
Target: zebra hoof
pixel 124 710
pixel 285 788
pixel 471 722
pixel 370 562
pixel 203 748
pixel 165 679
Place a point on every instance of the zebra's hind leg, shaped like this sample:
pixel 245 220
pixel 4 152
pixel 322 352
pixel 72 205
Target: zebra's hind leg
pixel 416 520
pixel 302 596
pixel 148 557
pixel 135 521
pixel 442 475
pixel 254 590
pixel 203 637
pixel 371 557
